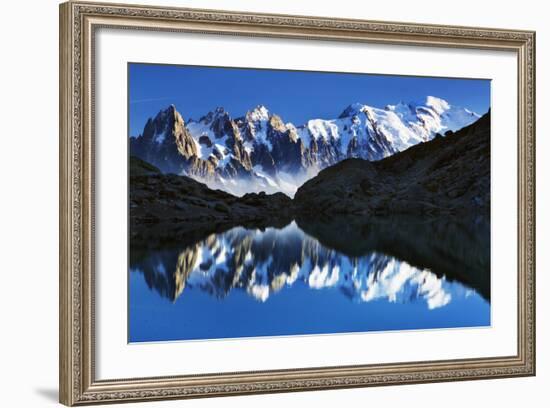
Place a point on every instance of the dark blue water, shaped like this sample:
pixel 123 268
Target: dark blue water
pixel 336 278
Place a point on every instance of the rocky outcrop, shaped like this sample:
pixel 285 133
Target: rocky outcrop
pixel 445 175
pixel 167 206
pixel 166 142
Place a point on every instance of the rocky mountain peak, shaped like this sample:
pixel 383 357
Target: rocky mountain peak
pixel 258 114
pixel 352 110
pixel 277 124
pixel 164 122
pixel 212 116
pixel 165 141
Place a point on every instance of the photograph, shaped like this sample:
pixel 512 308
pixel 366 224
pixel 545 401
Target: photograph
pixel 267 201
pixel 271 202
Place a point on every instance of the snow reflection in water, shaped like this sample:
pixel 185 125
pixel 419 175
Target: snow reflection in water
pixel 283 280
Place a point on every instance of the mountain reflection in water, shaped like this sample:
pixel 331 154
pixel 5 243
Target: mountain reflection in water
pixel 427 265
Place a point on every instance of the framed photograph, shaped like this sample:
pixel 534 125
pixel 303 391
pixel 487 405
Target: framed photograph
pixel 256 203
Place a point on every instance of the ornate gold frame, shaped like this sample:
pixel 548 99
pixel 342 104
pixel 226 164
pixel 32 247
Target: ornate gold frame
pixel 78 22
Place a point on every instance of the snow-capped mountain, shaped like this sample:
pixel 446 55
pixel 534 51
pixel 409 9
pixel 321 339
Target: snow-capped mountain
pixel 264 262
pixel 271 155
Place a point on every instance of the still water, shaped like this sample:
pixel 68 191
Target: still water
pixel 312 278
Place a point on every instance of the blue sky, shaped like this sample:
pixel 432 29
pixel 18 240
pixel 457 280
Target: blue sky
pixel 294 95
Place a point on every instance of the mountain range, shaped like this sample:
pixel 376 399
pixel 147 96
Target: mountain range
pixel 446 175
pixel 260 152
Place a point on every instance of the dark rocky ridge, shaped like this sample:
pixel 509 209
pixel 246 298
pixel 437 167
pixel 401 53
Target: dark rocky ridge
pixel 448 174
pixel 167 206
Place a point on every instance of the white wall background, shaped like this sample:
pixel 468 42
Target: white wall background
pixel 29 191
